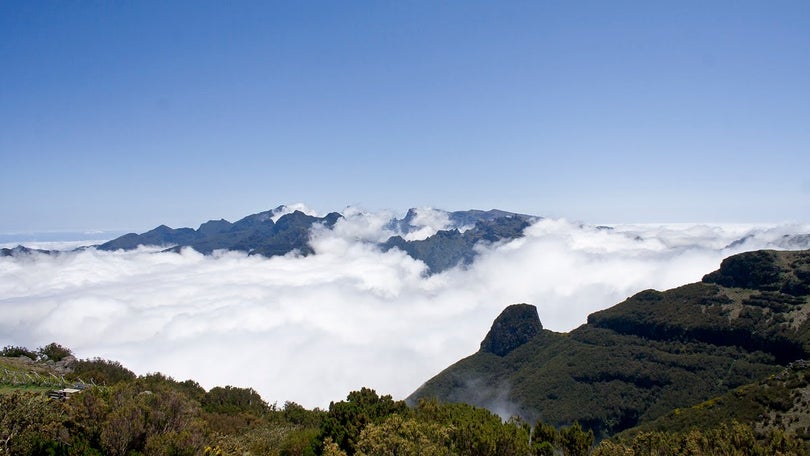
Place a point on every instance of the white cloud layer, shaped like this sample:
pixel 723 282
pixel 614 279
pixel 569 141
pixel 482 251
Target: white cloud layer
pixel 311 329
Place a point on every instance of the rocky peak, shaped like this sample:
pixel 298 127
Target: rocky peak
pixel 515 326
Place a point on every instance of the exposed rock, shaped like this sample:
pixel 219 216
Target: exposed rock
pixel 63 365
pixel 515 326
pixel 449 248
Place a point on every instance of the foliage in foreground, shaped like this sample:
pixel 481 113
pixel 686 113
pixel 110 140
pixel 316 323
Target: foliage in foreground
pixel 156 415
pixel 732 439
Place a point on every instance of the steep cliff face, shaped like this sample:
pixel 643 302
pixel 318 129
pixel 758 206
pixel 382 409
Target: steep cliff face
pixel 515 326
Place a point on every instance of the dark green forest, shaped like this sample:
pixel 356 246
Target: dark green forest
pixel 655 352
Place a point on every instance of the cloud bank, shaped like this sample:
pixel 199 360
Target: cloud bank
pixel 311 329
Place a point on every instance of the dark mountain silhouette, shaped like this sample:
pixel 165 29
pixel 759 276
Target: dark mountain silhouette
pixel 22 251
pixel 255 234
pixel 449 248
pixel 259 234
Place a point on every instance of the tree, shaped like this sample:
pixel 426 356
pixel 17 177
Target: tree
pixel 231 399
pixel 161 418
pixel 345 420
pixel 544 439
pixel 13 351
pixel 398 436
pixel 30 424
pixel 101 371
pixel 54 352
pixel 575 441
pixel 476 431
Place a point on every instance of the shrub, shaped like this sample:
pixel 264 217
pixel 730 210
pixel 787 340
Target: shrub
pixel 102 371
pixel 54 352
pixel 12 351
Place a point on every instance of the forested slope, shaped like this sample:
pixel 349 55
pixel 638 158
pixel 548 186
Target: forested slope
pixel 648 355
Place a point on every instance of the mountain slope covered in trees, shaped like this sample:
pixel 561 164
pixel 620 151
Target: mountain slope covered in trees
pixel 653 353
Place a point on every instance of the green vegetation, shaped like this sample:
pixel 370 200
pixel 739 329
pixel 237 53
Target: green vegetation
pixel 653 353
pixel 156 415
pixel 733 439
pixel 11 351
pixel 101 371
pixel 151 414
pixel 779 402
pixel 21 374
pixel 54 352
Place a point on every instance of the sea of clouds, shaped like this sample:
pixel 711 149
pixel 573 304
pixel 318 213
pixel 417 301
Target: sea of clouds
pixel 311 329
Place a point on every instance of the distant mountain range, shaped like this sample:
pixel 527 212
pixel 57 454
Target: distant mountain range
pixel 283 230
pixel 278 232
pixel 656 352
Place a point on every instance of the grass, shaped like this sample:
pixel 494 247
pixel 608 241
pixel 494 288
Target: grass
pixel 17 375
pixel 8 389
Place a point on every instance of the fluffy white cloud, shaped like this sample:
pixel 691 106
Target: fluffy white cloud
pixel 311 329
pixel 427 222
pixel 289 209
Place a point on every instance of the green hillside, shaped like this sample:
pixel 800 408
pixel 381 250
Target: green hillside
pixel 653 353
pixel 778 402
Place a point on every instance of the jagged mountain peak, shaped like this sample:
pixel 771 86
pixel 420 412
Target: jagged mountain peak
pixel 287 228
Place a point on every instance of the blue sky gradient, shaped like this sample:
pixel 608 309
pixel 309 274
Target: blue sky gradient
pixel 126 115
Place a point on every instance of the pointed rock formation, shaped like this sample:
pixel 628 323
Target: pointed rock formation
pixel 515 326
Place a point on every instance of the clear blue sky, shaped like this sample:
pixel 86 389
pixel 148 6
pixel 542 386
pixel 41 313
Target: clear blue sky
pixel 125 115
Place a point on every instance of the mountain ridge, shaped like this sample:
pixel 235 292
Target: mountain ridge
pixel 279 232
pixel 654 352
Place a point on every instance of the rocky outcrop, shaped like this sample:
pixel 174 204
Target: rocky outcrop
pixel 515 326
pixel 449 248
pixel 765 270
